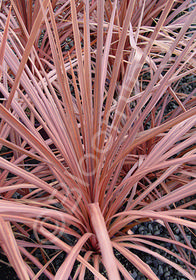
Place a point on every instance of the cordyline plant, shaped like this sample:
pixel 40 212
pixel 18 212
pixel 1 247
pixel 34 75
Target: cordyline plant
pixel 96 136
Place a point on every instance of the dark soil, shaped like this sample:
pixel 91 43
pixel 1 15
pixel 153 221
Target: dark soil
pixel 6 271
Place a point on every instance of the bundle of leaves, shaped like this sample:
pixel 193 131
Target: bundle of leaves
pixel 97 136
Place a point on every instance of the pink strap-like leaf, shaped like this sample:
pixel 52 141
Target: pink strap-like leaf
pixel 65 269
pixel 4 39
pixel 10 247
pixel 104 241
